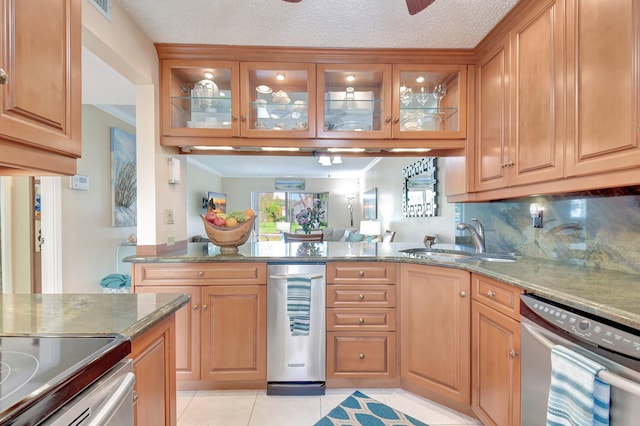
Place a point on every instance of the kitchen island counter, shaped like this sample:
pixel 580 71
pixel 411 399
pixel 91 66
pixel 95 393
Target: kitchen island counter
pixel 130 315
pixel 606 293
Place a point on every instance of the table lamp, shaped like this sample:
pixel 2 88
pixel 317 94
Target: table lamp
pixel 370 228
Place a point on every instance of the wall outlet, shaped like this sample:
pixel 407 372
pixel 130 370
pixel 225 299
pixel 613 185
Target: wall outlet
pixel 171 214
pixel 171 241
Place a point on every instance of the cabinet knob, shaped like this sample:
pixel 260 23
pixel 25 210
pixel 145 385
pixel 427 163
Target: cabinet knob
pixel 195 307
pixel 200 273
pixel 361 273
pixel 135 397
pixel 387 120
pixel 4 77
pixel 512 353
pixel 234 117
pixel 204 307
pixel 491 293
pixel 361 356
pixel 243 117
pixel 361 296
pixel 396 120
pixel 361 320
pixel 463 294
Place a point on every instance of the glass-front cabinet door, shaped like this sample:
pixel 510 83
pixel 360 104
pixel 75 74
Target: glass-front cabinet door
pixel 354 101
pixel 278 100
pixel 429 101
pixel 200 98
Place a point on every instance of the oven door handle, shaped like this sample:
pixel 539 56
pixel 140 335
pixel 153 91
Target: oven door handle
pixel 284 277
pixel 605 375
pixel 102 415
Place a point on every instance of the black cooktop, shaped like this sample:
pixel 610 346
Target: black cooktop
pixel 38 374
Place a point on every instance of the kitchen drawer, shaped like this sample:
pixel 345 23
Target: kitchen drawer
pixel 360 355
pixel 361 273
pixel 199 273
pixel 499 296
pixel 346 296
pixel 380 319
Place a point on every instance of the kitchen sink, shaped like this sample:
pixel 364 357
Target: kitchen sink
pixel 454 255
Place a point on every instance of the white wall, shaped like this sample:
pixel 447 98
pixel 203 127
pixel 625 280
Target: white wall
pixel 200 180
pixel 386 175
pixel 89 242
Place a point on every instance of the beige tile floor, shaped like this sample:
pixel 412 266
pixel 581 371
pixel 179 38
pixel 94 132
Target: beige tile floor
pixel 255 408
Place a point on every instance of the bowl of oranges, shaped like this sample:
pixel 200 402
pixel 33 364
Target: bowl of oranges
pixel 229 231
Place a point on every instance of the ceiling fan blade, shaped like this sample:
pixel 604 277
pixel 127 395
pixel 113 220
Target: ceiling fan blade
pixel 416 6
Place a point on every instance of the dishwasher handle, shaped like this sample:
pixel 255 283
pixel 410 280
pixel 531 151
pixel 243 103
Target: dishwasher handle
pixel 284 277
pixel 102 415
pixel 605 375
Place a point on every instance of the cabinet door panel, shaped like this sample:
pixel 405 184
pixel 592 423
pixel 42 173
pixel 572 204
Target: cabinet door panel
pixel 41 103
pixel 187 330
pixel 603 86
pixel 537 87
pixel 234 333
pixel 435 330
pixel 492 119
pixel 496 366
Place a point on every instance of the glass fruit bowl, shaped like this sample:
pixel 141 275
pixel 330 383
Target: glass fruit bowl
pixel 229 238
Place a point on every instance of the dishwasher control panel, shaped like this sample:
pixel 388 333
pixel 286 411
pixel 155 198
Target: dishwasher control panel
pixel 585 327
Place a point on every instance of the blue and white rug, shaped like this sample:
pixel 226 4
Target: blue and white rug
pixel 360 410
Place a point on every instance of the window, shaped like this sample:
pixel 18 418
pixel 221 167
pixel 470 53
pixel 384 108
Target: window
pixel 276 211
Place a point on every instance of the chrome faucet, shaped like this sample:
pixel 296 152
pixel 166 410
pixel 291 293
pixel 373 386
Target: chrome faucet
pixel 477 234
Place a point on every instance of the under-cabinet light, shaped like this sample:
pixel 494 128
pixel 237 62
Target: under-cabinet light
pixel 346 149
pixel 350 78
pixel 280 76
pixel 208 74
pixel 213 148
pixel 410 150
pixel 276 148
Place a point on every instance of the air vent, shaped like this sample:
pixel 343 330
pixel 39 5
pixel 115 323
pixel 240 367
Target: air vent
pixel 103 6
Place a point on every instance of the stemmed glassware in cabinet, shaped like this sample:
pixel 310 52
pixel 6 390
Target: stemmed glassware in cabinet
pixel 439 92
pixel 423 97
pixel 406 97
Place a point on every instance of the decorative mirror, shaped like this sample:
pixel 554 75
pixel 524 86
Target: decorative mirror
pixel 420 188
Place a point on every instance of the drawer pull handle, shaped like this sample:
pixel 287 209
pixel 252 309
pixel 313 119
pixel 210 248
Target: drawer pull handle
pixel 361 273
pixel 361 356
pixel 361 320
pixel 512 353
pixel 491 293
pixel 361 296
pixel 463 294
pixel 195 307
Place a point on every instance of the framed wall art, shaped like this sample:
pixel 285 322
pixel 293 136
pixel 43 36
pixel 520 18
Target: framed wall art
pixel 123 178
pixel 370 204
pixel 219 200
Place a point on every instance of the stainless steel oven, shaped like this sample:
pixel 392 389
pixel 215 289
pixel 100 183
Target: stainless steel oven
pixel 46 378
pixel 616 347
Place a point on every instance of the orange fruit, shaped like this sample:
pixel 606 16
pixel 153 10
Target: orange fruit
pixel 249 213
pixel 232 221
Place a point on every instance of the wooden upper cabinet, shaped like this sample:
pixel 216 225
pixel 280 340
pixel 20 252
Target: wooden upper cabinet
pixel 354 101
pixel 200 98
pixel 40 91
pixel 520 103
pixel 603 86
pixel 278 100
pixel 429 101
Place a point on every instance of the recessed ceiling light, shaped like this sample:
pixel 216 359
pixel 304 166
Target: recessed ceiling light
pixel 350 78
pixel 208 74
pixel 280 76
pixel 420 79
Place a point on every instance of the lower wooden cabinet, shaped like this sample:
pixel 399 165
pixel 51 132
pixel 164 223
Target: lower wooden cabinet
pixel 495 352
pixel 361 355
pixel 154 366
pixel 221 334
pixel 435 327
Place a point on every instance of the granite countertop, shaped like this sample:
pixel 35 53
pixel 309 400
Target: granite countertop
pixel 89 314
pixel 606 293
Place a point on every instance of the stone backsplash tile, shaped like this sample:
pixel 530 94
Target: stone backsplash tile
pixel 599 229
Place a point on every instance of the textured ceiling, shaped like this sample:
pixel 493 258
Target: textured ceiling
pixel 318 23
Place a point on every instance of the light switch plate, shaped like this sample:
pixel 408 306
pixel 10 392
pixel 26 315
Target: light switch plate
pixel 171 216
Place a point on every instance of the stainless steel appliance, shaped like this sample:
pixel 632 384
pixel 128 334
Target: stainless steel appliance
pixel 614 346
pixel 295 355
pixel 42 374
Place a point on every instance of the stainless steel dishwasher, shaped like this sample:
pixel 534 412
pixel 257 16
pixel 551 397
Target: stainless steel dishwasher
pixel 616 347
pixel 296 328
